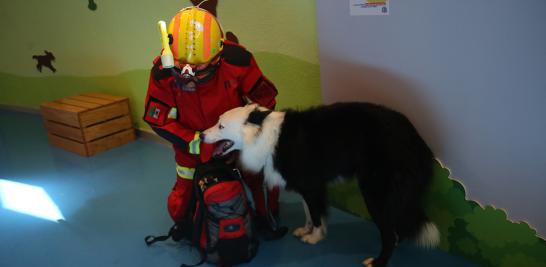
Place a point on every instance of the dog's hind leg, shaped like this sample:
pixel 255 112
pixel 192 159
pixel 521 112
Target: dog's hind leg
pixel 316 204
pixel 308 226
pixel 388 243
pixel 382 210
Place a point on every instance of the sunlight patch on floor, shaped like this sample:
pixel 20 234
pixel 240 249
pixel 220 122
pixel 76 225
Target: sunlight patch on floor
pixel 28 199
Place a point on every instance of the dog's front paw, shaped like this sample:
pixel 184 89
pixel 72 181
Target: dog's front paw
pixel 368 262
pixel 302 231
pixel 314 237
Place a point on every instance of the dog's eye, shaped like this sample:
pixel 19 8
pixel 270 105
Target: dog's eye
pixel 220 126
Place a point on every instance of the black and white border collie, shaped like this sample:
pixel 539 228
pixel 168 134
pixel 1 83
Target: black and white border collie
pixel 304 150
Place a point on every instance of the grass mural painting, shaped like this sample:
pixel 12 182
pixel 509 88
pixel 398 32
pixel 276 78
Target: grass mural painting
pixel 481 234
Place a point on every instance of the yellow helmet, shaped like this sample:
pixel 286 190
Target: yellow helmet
pixel 195 36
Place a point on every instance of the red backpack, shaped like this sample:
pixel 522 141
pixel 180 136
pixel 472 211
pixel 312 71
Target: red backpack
pixel 221 226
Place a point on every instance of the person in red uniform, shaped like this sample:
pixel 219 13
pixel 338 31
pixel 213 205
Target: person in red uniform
pixel 198 77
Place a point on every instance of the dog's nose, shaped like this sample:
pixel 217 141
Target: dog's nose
pixel 202 136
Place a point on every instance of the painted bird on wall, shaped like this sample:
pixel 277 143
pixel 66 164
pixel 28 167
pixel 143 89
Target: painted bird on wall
pixel 45 60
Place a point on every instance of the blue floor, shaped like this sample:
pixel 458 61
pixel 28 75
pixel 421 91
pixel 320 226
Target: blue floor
pixel 114 199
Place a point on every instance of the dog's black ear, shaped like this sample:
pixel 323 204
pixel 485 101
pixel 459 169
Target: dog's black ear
pixel 257 116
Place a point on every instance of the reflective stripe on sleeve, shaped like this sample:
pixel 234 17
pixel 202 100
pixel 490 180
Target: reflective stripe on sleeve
pixel 194 145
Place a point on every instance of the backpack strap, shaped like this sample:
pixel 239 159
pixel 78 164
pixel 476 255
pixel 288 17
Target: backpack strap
pixel 270 218
pixel 152 239
pixel 250 198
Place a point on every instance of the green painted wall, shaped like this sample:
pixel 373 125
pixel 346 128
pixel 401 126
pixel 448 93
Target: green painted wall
pixel 110 49
pixel 297 80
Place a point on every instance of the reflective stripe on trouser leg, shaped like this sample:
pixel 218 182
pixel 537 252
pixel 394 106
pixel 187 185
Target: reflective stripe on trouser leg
pixel 185 172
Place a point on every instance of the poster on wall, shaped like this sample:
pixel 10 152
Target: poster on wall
pixel 369 7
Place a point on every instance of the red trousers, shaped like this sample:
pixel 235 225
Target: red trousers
pixel 180 196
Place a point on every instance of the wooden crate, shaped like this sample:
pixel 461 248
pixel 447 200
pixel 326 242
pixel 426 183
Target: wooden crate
pixel 89 123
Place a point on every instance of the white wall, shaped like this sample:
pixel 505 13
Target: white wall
pixel 471 75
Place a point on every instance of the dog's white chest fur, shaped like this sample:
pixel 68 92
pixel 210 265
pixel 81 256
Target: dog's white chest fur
pixel 259 146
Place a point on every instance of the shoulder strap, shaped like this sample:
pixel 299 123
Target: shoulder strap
pixel 248 192
pixel 236 55
pixel 159 73
pixel 152 239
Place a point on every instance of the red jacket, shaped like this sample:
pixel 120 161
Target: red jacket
pixel 238 75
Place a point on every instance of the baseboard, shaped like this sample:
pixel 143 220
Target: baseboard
pixel 150 135
pixel 141 133
pixel 35 111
